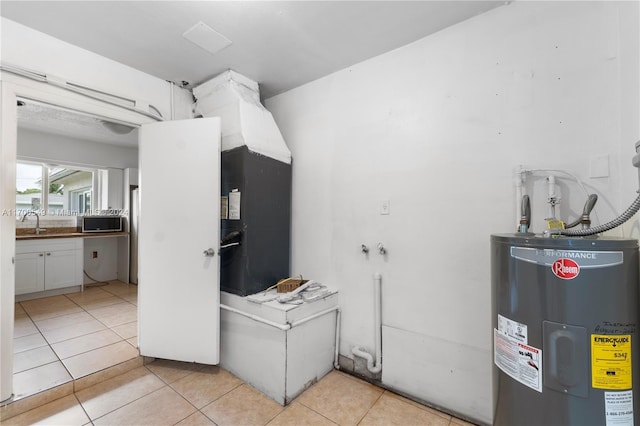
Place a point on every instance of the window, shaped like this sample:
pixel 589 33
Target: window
pixel 69 189
pixel 81 200
pixel 28 187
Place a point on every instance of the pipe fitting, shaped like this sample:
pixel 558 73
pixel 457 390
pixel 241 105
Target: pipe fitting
pixel 375 369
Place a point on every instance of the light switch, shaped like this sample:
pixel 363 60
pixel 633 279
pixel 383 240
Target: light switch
pixel 385 207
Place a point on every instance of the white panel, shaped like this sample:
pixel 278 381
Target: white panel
pixel 310 353
pixel 438 372
pixel 255 352
pixel 111 189
pixel 116 182
pixel 104 267
pixel 29 272
pixel 60 269
pixel 123 259
pixel 130 177
pixel 178 289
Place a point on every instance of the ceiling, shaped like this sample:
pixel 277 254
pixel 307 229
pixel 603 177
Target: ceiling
pixel 279 44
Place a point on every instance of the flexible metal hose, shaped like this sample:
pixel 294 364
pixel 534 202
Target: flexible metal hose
pixel 628 214
pixel 586 211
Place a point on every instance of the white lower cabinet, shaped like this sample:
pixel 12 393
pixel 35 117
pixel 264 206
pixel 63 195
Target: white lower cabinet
pixel 29 272
pixel 48 264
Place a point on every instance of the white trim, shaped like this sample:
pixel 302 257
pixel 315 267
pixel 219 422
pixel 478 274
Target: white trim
pixel 101 96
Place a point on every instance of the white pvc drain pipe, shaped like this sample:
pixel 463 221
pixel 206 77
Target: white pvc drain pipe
pixel 377 298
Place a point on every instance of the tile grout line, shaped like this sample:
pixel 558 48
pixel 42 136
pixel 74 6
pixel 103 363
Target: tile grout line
pixel 73 379
pixel 82 406
pixel 207 404
pixel 128 403
pixel 317 412
pixel 38 331
pixel 50 344
pixel 370 407
pixel 305 406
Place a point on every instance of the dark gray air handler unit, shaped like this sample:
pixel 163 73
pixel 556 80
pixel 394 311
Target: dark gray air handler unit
pixel 256 219
pixel 565 331
pixel 255 180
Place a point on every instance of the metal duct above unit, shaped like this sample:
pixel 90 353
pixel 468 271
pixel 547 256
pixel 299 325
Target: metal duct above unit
pixel 245 121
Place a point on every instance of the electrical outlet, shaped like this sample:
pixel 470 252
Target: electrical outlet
pixel 385 207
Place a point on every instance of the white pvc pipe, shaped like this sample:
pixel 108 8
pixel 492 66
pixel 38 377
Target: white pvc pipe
pixel 314 316
pixel 336 363
pixel 552 196
pixel 518 182
pixel 283 327
pixel 377 296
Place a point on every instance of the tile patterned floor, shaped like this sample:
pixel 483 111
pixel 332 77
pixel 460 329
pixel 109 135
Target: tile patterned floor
pixel 60 339
pixel 173 393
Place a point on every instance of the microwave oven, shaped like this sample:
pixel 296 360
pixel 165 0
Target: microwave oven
pixel 102 224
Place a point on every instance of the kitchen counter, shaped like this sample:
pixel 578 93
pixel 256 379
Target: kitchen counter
pixel 29 234
pixel 54 261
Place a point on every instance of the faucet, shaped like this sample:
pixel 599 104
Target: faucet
pixel 37 220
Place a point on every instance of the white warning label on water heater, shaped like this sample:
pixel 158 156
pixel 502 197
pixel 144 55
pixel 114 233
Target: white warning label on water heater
pixel 521 362
pixel 618 408
pixel 513 329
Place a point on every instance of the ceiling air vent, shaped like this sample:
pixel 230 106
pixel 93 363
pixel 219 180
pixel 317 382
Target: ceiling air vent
pixel 207 38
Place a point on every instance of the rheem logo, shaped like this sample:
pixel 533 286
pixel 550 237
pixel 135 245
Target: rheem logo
pixel 566 269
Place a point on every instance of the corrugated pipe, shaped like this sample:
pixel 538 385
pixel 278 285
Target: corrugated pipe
pixel 628 214
pixel 377 366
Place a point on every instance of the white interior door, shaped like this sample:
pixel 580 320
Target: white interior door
pixel 179 222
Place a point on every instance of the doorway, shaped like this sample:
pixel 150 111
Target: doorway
pixel 11 91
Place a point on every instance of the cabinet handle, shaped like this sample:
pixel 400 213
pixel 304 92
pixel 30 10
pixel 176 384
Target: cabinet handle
pixel 48 254
pixel 41 255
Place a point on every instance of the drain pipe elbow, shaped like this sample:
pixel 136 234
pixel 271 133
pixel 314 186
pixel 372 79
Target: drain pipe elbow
pixel 357 351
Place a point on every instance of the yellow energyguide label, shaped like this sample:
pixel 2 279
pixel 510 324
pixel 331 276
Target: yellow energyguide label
pixel 555 224
pixel 611 361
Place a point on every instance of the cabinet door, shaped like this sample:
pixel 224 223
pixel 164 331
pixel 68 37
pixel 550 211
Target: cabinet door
pixel 60 269
pixel 29 272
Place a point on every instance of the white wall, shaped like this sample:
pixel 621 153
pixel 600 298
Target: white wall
pixel 76 152
pixel 33 50
pixel 437 127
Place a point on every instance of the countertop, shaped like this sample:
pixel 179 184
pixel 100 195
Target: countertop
pixel 29 234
